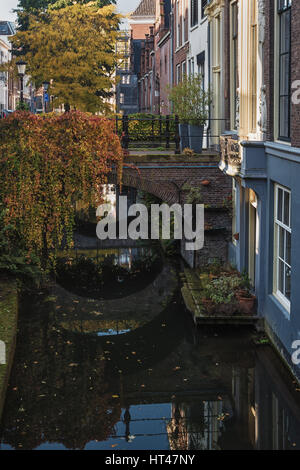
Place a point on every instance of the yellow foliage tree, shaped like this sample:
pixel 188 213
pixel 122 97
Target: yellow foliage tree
pixel 74 49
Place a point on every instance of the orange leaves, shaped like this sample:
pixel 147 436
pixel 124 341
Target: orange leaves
pixel 46 163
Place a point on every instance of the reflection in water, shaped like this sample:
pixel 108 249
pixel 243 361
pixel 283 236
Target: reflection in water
pixel 110 332
pixel 162 385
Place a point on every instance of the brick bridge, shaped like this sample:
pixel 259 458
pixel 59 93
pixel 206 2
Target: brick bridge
pixel 167 176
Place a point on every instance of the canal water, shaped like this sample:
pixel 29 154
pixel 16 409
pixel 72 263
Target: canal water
pixel 103 370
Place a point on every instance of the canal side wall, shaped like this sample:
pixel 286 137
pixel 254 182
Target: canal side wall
pixel 8 332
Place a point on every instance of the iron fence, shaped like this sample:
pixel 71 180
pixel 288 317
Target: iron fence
pixel 162 132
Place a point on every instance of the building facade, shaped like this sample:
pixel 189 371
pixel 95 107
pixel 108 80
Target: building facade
pixel 261 151
pixel 9 83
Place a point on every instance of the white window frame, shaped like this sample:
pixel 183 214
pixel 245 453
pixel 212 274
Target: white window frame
pixel 234 205
pixel 287 228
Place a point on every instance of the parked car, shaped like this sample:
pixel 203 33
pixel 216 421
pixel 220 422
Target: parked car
pixel 4 113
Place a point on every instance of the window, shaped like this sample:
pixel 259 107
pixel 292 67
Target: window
pixel 183 69
pixel 234 195
pixel 178 73
pixel 284 50
pixel 126 79
pixel 234 62
pixel 203 6
pixel 194 12
pixel 201 71
pixel 282 246
pixel 178 19
pixel 191 66
pixel 121 98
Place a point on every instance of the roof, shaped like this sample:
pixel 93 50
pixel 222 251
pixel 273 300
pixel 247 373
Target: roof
pixel 145 8
pixel 7 28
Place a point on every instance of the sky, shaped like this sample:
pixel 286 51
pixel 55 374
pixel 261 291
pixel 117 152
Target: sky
pixel 6 7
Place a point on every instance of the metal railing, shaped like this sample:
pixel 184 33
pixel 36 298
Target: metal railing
pixel 162 132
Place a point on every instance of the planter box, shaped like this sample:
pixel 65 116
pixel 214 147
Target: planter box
pixel 195 138
pixel 184 136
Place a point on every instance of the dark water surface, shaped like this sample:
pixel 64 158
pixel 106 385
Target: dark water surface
pixel 134 373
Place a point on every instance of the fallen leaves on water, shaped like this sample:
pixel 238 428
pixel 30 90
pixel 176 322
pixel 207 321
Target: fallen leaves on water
pixel 115 396
pixel 73 364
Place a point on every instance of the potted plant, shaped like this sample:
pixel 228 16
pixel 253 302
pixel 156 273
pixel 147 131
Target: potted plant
pixel 246 301
pixel 178 98
pixel 244 296
pixel 197 108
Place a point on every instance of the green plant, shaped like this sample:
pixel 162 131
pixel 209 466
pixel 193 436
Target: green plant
pixel 15 260
pixel 147 127
pixel 222 290
pixel 22 106
pixel 246 282
pixel 228 204
pixel 190 101
pixel 194 195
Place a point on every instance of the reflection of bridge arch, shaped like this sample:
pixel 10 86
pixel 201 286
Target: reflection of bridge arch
pixel 84 315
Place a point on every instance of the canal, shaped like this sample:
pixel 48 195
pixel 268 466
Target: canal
pixel 123 367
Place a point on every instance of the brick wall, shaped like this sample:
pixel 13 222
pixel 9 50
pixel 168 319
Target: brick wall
pixel 269 66
pixel 295 71
pixel 140 30
pixel 167 184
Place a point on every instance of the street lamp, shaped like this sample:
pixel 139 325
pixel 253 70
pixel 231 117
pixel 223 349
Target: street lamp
pixel 46 97
pixel 21 64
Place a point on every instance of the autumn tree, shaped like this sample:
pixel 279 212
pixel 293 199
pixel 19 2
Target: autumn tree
pixel 46 165
pixel 28 8
pixel 74 48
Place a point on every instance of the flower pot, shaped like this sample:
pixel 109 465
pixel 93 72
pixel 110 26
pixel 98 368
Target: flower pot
pixel 195 137
pixel 184 137
pixel 246 304
pixel 208 305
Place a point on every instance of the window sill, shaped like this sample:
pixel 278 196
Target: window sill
pixel 283 142
pixel 284 303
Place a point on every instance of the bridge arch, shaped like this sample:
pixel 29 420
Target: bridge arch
pixel 167 191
